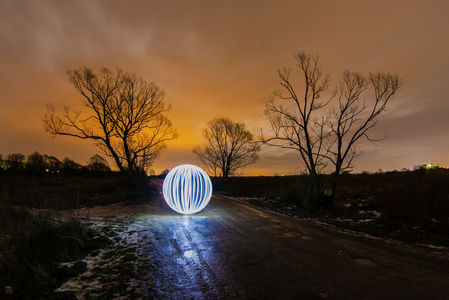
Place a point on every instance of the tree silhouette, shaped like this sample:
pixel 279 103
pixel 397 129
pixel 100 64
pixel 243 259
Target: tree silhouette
pixel 98 163
pixel 164 172
pixel 229 147
pixel 299 121
pixel 355 116
pixel 70 165
pixel 53 163
pixel 36 162
pixel 125 117
pixel 15 161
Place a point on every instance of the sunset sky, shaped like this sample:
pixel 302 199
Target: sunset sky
pixel 220 59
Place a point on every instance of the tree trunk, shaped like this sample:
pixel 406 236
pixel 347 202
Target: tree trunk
pixel 313 190
pixel 114 155
pixel 329 194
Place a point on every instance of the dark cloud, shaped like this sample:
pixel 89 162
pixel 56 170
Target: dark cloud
pixel 219 58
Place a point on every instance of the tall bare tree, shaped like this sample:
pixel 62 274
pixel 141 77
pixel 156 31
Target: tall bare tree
pixel 125 117
pixel 324 137
pixel 229 147
pixel 298 121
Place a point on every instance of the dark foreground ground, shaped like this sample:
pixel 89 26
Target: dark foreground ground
pixel 232 250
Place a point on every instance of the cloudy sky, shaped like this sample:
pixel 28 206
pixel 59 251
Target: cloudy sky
pixel 220 59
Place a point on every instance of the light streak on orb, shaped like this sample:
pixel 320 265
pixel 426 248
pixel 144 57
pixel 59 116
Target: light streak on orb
pixel 187 189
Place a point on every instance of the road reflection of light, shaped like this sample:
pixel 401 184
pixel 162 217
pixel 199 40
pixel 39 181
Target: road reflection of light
pixel 183 218
pixel 194 251
pixel 189 220
pixel 189 253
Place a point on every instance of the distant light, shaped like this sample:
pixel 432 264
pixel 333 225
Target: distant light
pixel 187 189
pixel 429 166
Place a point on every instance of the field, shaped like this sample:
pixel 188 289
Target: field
pixel 411 206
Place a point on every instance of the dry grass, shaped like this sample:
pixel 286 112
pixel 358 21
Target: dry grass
pixel 407 206
pixel 34 239
pixel 31 246
pixel 415 198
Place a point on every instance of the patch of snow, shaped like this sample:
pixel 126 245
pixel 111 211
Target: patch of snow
pixel 91 280
pixel 242 199
pixel 343 220
pixel 77 283
pixel 373 212
pixel 433 246
pixel 366 220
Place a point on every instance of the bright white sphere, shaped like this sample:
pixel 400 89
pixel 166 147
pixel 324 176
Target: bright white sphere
pixel 187 189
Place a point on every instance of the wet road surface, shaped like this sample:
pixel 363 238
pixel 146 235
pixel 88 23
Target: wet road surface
pixel 234 251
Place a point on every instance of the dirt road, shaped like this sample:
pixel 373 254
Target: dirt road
pixel 231 250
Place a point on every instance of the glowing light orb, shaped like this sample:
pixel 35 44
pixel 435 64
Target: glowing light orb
pixel 187 189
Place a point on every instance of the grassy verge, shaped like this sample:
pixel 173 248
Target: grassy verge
pixel 43 257
pixel 34 240
pixel 32 245
pixel 113 271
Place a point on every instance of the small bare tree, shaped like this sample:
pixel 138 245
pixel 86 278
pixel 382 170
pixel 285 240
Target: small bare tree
pixel 331 136
pixel 229 148
pixel 125 117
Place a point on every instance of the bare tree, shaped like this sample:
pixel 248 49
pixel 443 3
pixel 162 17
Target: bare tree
pixel 355 116
pixel 125 117
pixel 229 148
pixel 331 136
pixel 297 121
